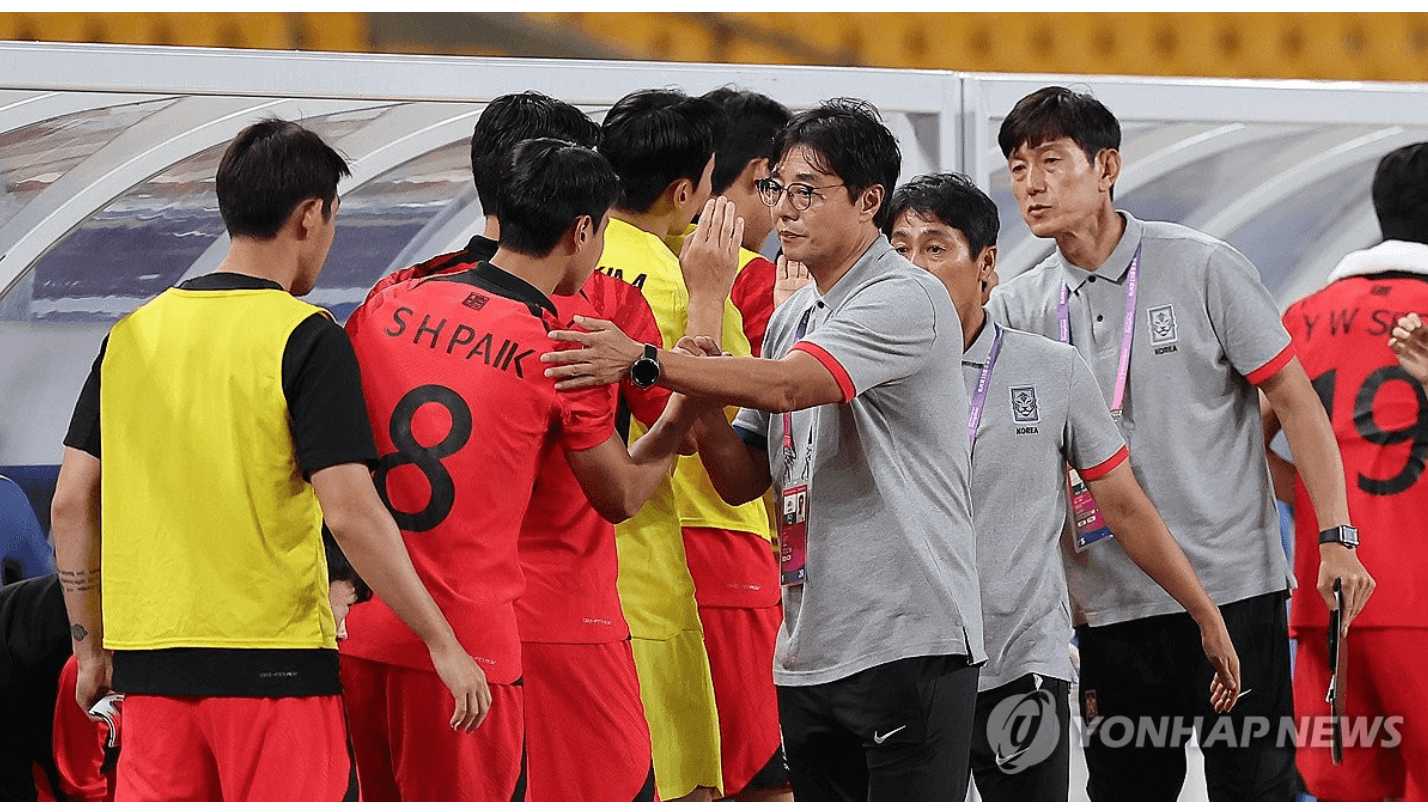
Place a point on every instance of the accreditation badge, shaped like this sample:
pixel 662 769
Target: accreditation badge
pixel 793 535
pixel 1090 527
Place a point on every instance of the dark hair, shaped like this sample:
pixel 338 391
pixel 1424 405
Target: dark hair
pixel 1053 112
pixel 548 184
pixel 509 120
pixel 1400 193
pixel 953 199
pixel 754 119
pixel 847 139
pixel 269 169
pixel 655 137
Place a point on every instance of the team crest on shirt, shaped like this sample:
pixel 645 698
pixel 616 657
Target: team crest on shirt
pixel 1162 327
pixel 1024 411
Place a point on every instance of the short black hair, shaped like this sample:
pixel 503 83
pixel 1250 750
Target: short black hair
pixel 754 120
pixel 269 169
pixel 953 199
pixel 655 137
pixel 509 120
pixel 848 139
pixel 1053 112
pixel 547 185
pixel 1400 193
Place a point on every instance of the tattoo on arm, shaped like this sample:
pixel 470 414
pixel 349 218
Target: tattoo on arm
pixel 78 632
pixel 79 581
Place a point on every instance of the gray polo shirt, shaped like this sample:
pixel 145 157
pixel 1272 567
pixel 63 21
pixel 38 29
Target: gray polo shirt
pixel 1043 410
pixel 891 554
pixel 1206 331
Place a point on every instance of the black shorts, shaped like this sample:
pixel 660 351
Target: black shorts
pixel 1021 741
pixel 1155 668
pixel 898 732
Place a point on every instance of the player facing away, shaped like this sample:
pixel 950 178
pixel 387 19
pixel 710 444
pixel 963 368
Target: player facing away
pixel 464 414
pixel 230 422
pixel 1034 411
pixel 1379 412
pixel 850 410
pixel 1181 336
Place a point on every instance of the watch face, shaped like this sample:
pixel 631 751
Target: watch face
pixel 1349 535
pixel 644 372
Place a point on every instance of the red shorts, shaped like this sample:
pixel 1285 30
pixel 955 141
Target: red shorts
pixel 1387 676
pixel 736 584
pixel 404 745
pixel 78 746
pixel 588 738
pixel 196 748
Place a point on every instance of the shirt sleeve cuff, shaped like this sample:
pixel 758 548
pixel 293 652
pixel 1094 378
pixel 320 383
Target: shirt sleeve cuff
pixel 845 382
pixel 1097 471
pixel 1271 367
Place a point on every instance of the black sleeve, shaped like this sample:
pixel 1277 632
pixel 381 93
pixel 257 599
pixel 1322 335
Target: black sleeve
pixel 83 431
pixel 323 386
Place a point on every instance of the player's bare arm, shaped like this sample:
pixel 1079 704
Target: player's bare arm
pixel 373 544
pixel 618 481
pixel 1148 542
pixel 709 261
pixel 75 524
pixel 1282 472
pixel 1316 455
pixel 797 381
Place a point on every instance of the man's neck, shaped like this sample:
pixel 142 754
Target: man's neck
pixel 537 271
pixel 274 260
pixel 830 272
pixel 492 231
pixel 1089 245
pixel 648 221
pixel 974 319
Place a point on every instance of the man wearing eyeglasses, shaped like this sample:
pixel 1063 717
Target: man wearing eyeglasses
pixel 856 416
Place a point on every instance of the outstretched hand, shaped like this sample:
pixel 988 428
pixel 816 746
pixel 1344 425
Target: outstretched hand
pixel 1410 343
pixel 791 277
pixel 709 258
pixel 605 355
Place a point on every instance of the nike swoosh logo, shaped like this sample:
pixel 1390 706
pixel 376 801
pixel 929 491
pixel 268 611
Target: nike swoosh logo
pixel 877 739
pixel 1003 760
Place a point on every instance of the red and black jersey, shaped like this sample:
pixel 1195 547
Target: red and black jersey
pixel 1380 419
pixel 479 249
pixel 753 295
pixel 463 415
pixel 567 550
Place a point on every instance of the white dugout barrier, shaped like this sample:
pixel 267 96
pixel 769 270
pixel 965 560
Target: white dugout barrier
pixel 107 156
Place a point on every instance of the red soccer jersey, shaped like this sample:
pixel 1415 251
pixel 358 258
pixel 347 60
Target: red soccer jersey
pixel 463 415
pixel 753 295
pixel 479 249
pixel 567 550
pixel 1380 419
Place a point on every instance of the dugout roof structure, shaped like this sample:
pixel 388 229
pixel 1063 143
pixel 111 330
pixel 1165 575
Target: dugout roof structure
pixel 107 156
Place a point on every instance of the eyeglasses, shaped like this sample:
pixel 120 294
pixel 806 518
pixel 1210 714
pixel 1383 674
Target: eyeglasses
pixel 800 195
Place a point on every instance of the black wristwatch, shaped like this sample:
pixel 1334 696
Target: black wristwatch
pixel 645 372
pixel 1346 536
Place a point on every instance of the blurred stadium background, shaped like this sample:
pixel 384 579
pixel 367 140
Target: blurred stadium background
pixel 1338 45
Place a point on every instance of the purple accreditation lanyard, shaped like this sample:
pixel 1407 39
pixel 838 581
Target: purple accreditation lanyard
pixel 979 396
pixel 1063 315
pixel 788 453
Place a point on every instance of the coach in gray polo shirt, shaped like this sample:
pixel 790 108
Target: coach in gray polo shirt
pixel 1179 332
pixel 857 418
pixel 1035 408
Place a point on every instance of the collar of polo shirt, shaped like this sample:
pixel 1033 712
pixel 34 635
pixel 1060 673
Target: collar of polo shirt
pixel 1116 265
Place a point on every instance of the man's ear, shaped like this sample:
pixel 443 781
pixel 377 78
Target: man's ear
pixel 1108 168
pixel 307 218
pixel 582 233
pixel 870 201
pixel 986 263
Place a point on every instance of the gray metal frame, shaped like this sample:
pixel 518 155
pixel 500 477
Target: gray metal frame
pixel 944 121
